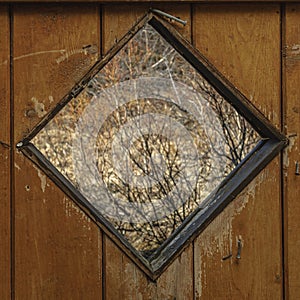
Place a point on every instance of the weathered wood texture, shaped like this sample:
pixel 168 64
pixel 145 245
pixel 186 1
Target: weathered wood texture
pixel 58 250
pixel 5 160
pixel 243 42
pixel 292 154
pixel 119 18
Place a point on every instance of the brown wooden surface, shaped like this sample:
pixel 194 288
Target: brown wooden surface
pixel 243 42
pixel 292 154
pixel 4 154
pixel 58 250
pixel 119 18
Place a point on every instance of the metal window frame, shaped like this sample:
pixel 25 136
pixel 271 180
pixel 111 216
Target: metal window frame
pixel 271 144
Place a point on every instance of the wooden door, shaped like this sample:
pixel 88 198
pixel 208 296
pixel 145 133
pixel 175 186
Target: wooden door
pixel 50 249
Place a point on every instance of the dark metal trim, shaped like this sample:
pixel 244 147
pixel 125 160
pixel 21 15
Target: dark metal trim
pixel 272 143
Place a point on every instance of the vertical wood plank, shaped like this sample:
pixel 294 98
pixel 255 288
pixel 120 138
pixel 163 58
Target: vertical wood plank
pixel 243 42
pixel 5 255
pixel 118 19
pixel 57 248
pixel 123 279
pixel 56 45
pixel 176 282
pixel 292 153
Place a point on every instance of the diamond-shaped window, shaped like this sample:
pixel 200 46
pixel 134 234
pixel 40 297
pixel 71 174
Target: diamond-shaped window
pixel 153 143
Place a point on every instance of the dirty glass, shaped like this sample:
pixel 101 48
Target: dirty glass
pixel 147 140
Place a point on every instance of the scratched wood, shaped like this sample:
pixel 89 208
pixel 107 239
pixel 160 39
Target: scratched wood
pixel 243 42
pixel 4 154
pixel 58 250
pixel 292 154
pixel 123 279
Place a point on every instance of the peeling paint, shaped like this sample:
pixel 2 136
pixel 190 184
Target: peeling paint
pixel 217 237
pixel 4 63
pixel 4 157
pixel 17 166
pixel 296 49
pixel 72 208
pixel 198 280
pixel 39 107
pixel 42 177
pixel 51 99
pixel 288 149
pixel 293 52
pixel 270 114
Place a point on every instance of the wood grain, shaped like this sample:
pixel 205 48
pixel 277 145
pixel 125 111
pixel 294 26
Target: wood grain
pixel 5 159
pixel 118 19
pixel 58 250
pixel 243 42
pixel 53 62
pixel 229 36
pixel 176 282
pixel 292 154
pixel 123 279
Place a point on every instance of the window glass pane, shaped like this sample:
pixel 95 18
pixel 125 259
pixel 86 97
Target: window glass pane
pixel 147 141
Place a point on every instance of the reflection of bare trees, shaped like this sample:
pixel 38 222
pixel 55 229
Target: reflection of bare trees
pixel 146 162
pixel 156 159
pixel 240 138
